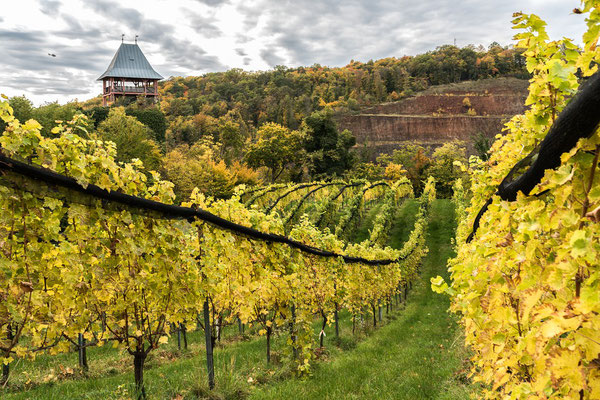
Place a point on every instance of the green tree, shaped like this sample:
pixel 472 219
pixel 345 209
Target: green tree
pixel 97 114
pixel 231 133
pixel 482 144
pixel 49 113
pixel 153 118
pixel 22 108
pixel 328 150
pixel 133 139
pixel 276 148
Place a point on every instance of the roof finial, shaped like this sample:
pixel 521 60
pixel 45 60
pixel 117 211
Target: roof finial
pixel 122 37
pixel 136 36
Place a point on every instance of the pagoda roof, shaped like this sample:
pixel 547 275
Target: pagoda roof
pixel 130 62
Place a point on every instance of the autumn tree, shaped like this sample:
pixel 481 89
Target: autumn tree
pixel 197 166
pixel 414 159
pixel 276 148
pixel 443 168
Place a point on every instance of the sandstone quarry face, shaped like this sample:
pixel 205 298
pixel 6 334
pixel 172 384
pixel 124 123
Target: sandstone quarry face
pixel 439 115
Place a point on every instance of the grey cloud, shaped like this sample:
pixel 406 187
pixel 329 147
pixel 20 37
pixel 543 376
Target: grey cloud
pixel 27 66
pixel 213 3
pixel 77 31
pixel 28 51
pixel 50 7
pixel 204 26
pixel 252 13
pixel 331 32
pixel 240 52
pixel 115 12
pixel 271 57
pixel 19 37
pixel 48 85
pixel 241 39
pixel 179 53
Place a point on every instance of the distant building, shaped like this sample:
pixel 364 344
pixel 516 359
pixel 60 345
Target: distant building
pixel 129 74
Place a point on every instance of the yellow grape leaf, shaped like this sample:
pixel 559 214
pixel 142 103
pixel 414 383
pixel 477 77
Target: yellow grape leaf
pixel 551 328
pixel 594 383
pixel 590 299
pixel 438 285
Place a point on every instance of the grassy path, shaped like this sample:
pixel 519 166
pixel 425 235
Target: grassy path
pixel 415 356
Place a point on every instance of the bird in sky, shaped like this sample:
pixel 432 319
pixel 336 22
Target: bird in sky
pixel 52 54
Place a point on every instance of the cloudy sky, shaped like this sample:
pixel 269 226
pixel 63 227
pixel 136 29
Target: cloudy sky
pixel 192 37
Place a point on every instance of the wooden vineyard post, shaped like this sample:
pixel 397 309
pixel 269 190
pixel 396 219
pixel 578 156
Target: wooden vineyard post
pixel 83 364
pixel 374 315
pixel 380 314
pixel 179 337
pixel 337 322
pixel 240 328
pixel 335 314
pixel 210 366
pixel 5 373
pixel 322 334
pixel 184 330
pixel 103 322
pixel 6 367
pixel 292 332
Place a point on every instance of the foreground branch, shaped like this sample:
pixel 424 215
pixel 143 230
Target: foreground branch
pixel 578 120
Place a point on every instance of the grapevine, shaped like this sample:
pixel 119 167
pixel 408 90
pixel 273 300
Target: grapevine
pixel 123 276
pixel 527 284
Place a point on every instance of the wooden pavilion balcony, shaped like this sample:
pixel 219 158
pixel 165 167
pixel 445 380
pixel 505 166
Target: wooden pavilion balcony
pixel 150 90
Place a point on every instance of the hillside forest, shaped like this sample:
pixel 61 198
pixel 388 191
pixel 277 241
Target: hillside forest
pixel 223 129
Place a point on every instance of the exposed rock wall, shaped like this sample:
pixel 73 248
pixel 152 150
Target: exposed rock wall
pixel 453 104
pixel 439 115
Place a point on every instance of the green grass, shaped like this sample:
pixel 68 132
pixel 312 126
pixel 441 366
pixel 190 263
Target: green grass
pixel 416 354
pixel 405 221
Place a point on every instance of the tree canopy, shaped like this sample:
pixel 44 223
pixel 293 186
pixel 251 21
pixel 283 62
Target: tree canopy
pixel 133 139
pixel 328 150
pixel 276 148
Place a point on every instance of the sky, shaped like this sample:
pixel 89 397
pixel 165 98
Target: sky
pixel 193 37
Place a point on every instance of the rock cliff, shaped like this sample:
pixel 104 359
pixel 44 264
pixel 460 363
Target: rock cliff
pixel 440 114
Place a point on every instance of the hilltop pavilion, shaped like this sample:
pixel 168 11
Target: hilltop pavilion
pixel 129 74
